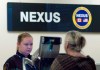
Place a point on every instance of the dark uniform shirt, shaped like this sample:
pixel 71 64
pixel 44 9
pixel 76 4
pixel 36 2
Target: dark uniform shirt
pixel 15 62
pixel 67 62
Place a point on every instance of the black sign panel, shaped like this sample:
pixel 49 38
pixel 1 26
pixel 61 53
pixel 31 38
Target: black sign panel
pixel 52 17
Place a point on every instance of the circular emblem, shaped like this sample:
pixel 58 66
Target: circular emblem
pixel 82 18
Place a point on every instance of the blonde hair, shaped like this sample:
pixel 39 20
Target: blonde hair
pixel 23 35
pixel 75 40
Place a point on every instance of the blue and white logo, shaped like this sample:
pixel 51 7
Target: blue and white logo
pixel 82 18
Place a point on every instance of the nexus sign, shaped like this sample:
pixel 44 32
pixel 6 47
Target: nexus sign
pixel 40 17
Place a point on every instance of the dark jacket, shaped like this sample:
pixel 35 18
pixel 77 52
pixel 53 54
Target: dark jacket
pixel 67 62
pixel 15 62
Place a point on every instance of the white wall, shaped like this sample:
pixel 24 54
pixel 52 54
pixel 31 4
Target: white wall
pixel 8 39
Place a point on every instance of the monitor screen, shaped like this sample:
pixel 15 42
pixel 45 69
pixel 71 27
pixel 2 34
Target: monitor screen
pixel 49 47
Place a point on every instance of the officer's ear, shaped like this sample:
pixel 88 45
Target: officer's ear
pixel 18 44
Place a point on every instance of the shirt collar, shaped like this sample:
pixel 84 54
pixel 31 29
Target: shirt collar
pixel 22 56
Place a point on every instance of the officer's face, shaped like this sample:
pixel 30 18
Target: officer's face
pixel 25 47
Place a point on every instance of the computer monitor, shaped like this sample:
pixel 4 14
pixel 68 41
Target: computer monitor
pixel 48 51
pixel 49 46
